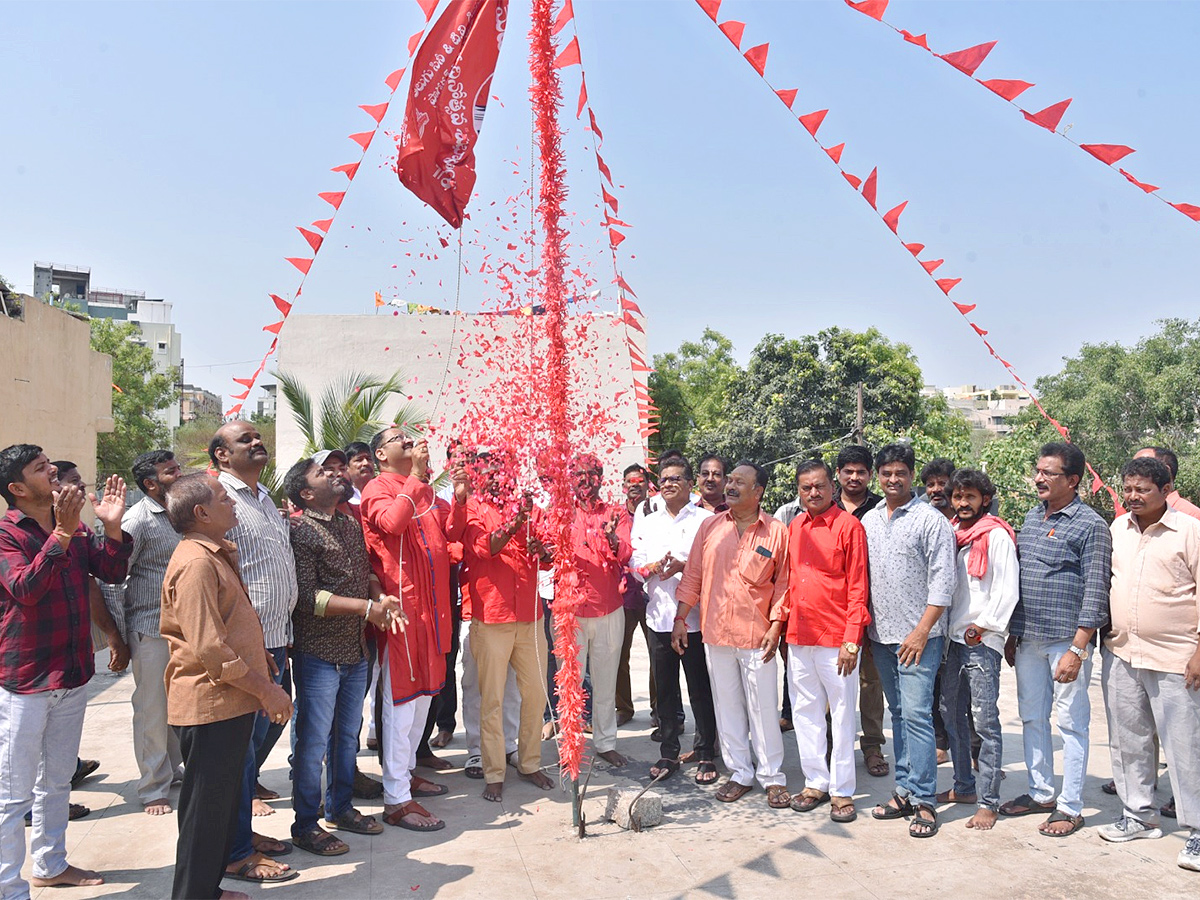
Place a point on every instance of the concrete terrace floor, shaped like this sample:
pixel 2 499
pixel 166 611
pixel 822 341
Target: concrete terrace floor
pixel 525 846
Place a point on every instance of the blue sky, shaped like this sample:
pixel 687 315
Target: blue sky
pixel 174 147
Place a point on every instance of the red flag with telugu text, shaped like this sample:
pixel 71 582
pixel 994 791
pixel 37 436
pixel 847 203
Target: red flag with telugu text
pixel 451 79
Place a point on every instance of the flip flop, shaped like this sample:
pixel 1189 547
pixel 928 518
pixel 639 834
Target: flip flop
pixel 412 807
pixel 809 799
pixel 877 764
pixel 78 811
pixel 421 787
pixel 778 797
pixel 1025 805
pixel 731 791
pixel 843 813
pixel 84 768
pixel 242 873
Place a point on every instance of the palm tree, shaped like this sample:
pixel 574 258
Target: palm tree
pixel 349 409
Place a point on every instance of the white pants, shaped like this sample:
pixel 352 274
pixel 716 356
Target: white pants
pixel 746 700
pixel 815 685
pixel 373 677
pixel 39 744
pixel 155 746
pixel 600 641
pixel 402 727
pixel 470 700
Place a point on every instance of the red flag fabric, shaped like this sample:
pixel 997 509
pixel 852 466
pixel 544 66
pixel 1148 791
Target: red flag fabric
pixel 964 308
pixel 241 396
pixel 245 382
pixel 757 57
pixel 854 180
pixel 788 96
pixel 1108 153
pixel 918 39
pixel 967 61
pixel 582 93
pixel 300 263
pixel 347 169
pixel 1008 88
pixel 734 30
pixel 363 138
pixel 427 7
pixel 869 186
pixel 564 16
pixel 1049 117
pixel 609 198
pixel 569 56
pixel 1192 212
pixel 710 7
pixel 947 284
pixel 283 306
pixel 603 168
pixel 274 329
pixel 835 153
pixel 437 139
pixel 812 121
pixel 333 198
pixel 314 239
pixel 615 237
pixel 931 265
pixel 914 249
pixel 376 112
pixel 1148 188
pixel 979 331
pixel 393 80
pixel 624 285
pixel 891 218
pixel 595 125
pixel 628 319
pixel 414 41
pixel 323 224
pixel 630 306
pixel 873 8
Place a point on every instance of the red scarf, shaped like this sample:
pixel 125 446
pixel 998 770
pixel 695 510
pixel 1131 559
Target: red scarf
pixel 976 536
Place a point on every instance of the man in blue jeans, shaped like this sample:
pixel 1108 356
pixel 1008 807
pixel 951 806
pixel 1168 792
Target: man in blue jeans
pixel 330 664
pixel 1066 566
pixel 910 546
pixel 988 587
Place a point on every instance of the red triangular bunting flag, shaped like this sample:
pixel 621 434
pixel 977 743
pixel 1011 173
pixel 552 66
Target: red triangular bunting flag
pixel 914 249
pixel 333 198
pixel 788 96
pixel 632 323
pixel 300 263
pixel 630 306
pixel 595 125
pixel 872 8
pixel 1009 89
pixel 564 16
pixel 835 153
pixel 569 55
pixel 1097 483
pixel 963 308
pixel 244 382
pixel 233 410
pixel 1049 117
pixel 1192 212
pixel 609 198
pixel 733 30
pixel 414 42
pixel 393 80
pixel 314 239
pixel 979 331
pixel 967 61
pixel 947 284
pixel 241 396
pixel 1148 188
pixel 1107 153
pixel 615 237
pixel 624 285
pixel 274 329
pixel 812 121
pixel 757 57
pixel 854 180
pixel 363 138
pixel 323 224
pixel 918 39
pixel 376 112
pixel 282 305
pixel 347 169
pixel 640 368
pixel 869 185
pixel 931 265
pixel 428 6
pixel 603 168
pixel 891 218
pixel 710 7
pixel 582 96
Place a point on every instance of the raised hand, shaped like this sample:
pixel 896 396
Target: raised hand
pixel 110 505
pixel 68 504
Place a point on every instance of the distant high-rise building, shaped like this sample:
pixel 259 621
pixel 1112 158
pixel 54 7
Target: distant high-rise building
pixel 197 403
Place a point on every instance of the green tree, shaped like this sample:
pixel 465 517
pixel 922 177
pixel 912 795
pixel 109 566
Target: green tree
pixel 1009 461
pixel 190 441
pixel 690 387
pixel 139 392
pixel 349 409
pixel 939 431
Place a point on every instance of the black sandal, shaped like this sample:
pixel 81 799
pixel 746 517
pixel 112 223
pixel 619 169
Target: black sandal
pixel 901 810
pixel 706 767
pixel 921 827
pixel 666 768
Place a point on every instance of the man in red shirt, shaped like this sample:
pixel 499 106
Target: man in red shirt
pixel 403 528
pixel 601 555
pixel 501 556
pixel 827 596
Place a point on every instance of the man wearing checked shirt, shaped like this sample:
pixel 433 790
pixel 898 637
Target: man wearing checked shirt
pixel 1066 556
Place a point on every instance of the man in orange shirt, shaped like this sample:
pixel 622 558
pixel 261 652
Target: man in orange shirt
pixel 827 594
pixel 737 573
pixel 501 556
pixel 403 527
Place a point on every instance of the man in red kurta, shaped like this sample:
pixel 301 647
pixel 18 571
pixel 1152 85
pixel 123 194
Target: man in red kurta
pixel 404 531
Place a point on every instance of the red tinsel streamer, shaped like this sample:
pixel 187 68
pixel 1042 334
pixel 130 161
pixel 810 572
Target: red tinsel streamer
pixel 546 95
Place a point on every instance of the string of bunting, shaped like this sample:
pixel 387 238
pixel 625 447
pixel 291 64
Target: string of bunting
pixel 868 189
pixel 1009 89
pixel 315 234
pixel 631 314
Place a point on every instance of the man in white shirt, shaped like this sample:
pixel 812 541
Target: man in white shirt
pixel 986 593
pixel 661 543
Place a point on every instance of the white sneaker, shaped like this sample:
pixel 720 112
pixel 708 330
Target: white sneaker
pixel 1129 829
pixel 1189 856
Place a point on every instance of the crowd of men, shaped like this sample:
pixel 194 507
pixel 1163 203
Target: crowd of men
pixel 239 618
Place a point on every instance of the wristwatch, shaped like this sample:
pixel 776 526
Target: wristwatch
pixel 1081 652
pixel 850 647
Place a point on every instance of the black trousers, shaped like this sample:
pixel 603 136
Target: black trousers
pixel 214 756
pixel 666 664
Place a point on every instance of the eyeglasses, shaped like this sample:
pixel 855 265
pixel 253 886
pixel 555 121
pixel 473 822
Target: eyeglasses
pixel 1045 474
pixel 672 479
pixel 407 445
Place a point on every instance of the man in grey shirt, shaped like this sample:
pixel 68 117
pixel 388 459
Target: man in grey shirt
pixel 155 746
pixel 911 550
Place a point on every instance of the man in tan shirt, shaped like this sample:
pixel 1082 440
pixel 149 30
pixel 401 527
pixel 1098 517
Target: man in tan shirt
pixel 1151 663
pixel 737 573
pixel 218 678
